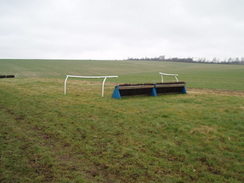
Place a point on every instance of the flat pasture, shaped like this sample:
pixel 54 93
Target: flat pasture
pixel 46 136
pixel 212 76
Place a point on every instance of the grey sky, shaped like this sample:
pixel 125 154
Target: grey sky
pixel 117 29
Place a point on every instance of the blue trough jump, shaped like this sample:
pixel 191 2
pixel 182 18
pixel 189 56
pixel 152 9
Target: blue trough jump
pixel 149 89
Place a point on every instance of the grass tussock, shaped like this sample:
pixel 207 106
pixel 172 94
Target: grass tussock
pixel 81 137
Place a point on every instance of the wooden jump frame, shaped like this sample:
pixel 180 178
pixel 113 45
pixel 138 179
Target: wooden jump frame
pixel 7 76
pixel 89 77
pixel 151 89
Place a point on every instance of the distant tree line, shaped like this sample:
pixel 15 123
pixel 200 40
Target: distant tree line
pixel 236 60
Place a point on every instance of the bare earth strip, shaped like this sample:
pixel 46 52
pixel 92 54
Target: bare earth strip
pixel 217 92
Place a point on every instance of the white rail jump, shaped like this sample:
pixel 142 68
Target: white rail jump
pixel 164 74
pixel 88 77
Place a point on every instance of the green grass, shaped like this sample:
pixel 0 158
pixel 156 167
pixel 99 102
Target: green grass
pixel 82 137
pixel 213 76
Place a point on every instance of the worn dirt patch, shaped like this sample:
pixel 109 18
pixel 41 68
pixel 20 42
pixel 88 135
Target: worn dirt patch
pixel 216 92
pixel 203 130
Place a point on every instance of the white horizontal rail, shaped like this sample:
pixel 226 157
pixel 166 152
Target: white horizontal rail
pixel 164 74
pixel 88 77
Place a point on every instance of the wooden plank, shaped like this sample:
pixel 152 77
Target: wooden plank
pixel 131 87
pixel 169 85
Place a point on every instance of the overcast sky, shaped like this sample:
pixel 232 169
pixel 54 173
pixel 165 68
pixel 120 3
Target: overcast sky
pixel 118 29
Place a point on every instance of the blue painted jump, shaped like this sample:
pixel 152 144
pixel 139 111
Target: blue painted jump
pixel 149 89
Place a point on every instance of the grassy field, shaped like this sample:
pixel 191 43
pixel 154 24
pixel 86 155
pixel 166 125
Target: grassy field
pixel 82 137
pixel 228 77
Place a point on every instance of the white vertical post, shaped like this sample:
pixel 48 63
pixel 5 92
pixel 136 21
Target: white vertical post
pixel 103 86
pixel 176 78
pixel 65 84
